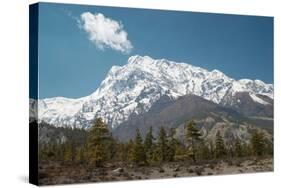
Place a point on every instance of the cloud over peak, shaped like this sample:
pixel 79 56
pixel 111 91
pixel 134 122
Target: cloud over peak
pixel 105 32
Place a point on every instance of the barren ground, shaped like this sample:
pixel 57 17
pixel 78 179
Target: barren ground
pixel 57 173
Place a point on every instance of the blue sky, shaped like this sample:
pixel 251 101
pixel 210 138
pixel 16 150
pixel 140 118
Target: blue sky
pixel 73 60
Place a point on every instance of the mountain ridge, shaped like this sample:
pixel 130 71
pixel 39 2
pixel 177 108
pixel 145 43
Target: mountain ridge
pixel 135 86
pixel 208 116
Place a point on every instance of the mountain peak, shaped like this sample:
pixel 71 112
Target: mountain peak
pixel 135 86
pixel 136 59
pixel 215 71
pixel 148 61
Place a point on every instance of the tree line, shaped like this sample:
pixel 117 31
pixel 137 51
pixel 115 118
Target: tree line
pixel 101 148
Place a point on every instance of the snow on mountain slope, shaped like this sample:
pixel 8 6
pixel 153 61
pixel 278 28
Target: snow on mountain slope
pixel 59 110
pixel 134 87
pixel 257 99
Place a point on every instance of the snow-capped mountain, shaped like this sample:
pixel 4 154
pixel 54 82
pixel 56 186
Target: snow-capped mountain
pixel 134 87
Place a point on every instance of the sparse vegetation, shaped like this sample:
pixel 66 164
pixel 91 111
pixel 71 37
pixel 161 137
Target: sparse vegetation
pixel 192 138
pixel 100 157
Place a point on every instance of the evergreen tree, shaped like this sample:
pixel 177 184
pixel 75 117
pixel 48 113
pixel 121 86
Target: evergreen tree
pixel 60 152
pixel 121 152
pixel 42 152
pixel 203 151
pixel 98 143
pixel 138 149
pixel 130 150
pixel 246 149
pixel 258 143
pixel 148 145
pixel 162 145
pixel 212 149
pixel 80 156
pixel 269 146
pixel 112 146
pixel 192 136
pixel 54 150
pixel 220 150
pixel 238 148
pixel 230 150
pixel 180 152
pixel 173 144
pixel 68 152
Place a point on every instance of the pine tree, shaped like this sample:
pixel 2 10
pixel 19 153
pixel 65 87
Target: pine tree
pixel 180 153
pixel 60 152
pixel 212 149
pixel 98 143
pixel 68 152
pixel 162 145
pixel 138 149
pixel 269 147
pixel 112 146
pixel 192 136
pixel 220 150
pixel 230 150
pixel 54 150
pixel 80 156
pixel 148 145
pixel 238 148
pixel 130 151
pixel 258 143
pixel 42 152
pixel 203 151
pixel 173 144
pixel 246 149
pixel 121 152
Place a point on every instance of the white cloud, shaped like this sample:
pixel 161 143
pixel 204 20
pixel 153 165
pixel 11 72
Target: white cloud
pixel 105 32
